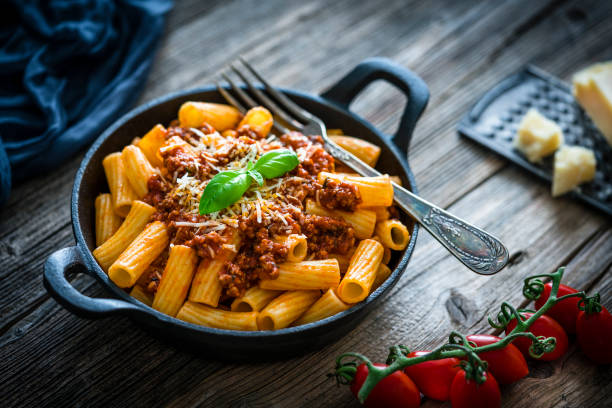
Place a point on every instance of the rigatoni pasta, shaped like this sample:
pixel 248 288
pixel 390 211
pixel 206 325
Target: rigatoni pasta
pixel 141 294
pixel 363 221
pixel 137 169
pixel 374 191
pixel 387 252
pixel 286 308
pixel 121 191
pixel 203 315
pixel 382 273
pixel 206 287
pixel 107 221
pixel 151 143
pixel 137 257
pixel 305 275
pixel 219 116
pixel 295 246
pixel 134 223
pixel 176 280
pixel 327 305
pixel 254 299
pixel 393 234
pixel 361 273
pixel 364 150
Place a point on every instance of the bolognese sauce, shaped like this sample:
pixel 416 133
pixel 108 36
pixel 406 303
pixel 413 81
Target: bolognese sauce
pixel 264 213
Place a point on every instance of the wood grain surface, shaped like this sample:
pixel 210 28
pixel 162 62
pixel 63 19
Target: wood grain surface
pixel 50 357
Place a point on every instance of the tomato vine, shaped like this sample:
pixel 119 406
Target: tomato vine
pixel 459 346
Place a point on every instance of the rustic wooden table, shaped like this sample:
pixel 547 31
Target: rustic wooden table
pixel 460 48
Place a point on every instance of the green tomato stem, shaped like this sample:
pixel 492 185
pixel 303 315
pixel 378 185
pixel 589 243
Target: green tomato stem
pixel 452 349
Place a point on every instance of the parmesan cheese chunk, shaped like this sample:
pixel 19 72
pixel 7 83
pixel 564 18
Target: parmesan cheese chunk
pixel 573 165
pixel 593 90
pixel 537 136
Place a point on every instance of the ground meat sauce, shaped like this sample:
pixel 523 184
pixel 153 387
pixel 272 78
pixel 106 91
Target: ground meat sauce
pixel 152 276
pixel 207 245
pixel 171 193
pixel 338 195
pixel 327 236
pixel 316 158
pixel 257 259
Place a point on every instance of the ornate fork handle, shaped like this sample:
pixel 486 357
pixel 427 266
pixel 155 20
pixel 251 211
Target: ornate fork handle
pixel 475 248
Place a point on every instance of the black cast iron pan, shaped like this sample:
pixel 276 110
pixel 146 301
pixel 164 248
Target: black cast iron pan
pixel 332 108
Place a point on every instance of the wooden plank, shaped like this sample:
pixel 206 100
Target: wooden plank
pixel 90 361
pixel 35 222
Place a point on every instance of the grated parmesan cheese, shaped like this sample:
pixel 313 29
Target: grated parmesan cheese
pixel 197 224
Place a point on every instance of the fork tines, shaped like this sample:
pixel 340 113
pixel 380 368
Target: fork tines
pixel 287 114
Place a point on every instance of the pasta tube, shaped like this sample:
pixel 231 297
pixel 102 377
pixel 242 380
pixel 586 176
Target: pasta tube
pixel 327 305
pixel 138 169
pixel 259 120
pixel 219 116
pixel 176 142
pixel 134 223
pixel 393 234
pixel 137 257
pixel 296 244
pixel 396 179
pixel 343 261
pixel 305 275
pixel 176 280
pixel 374 191
pixel 203 315
pixel 382 273
pixel 151 142
pixel 285 309
pixel 254 299
pixel 358 280
pixel 382 213
pixel 365 151
pixel 344 169
pixel 139 293
pixel 363 221
pixel 206 287
pixel 118 184
pixel 107 222
pixel 387 254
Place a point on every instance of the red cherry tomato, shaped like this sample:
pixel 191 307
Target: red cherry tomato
pixel 396 390
pixel 469 394
pixel 434 378
pixel 564 312
pixel 544 326
pixel 594 334
pixel 507 364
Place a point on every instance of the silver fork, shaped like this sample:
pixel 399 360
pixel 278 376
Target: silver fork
pixel 475 248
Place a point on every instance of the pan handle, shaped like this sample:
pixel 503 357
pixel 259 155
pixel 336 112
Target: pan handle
pixel 54 279
pixel 372 69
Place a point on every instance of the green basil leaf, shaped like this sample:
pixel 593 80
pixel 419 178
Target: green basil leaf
pixel 275 163
pixel 255 175
pixel 224 190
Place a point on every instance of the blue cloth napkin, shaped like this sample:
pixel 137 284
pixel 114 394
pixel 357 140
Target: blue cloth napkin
pixel 68 68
